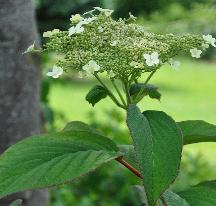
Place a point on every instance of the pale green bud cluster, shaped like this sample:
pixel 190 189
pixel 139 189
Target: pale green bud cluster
pixel 122 47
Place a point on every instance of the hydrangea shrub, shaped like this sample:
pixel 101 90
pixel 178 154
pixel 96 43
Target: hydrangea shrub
pixel 96 45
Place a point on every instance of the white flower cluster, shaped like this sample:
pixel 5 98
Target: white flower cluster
pixel 152 59
pixel 80 21
pixel 48 34
pixel 79 26
pixel 56 72
pixel 90 68
pixel 209 40
pixel 97 43
pixel 76 18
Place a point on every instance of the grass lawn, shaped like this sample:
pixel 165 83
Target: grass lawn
pixel 186 94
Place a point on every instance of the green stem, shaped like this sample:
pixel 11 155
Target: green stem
pixel 149 77
pixel 126 86
pixel 143 88
pixel 115 100
pixel 119 93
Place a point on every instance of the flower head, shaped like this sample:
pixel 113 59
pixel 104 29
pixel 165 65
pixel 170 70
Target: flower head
pixel 195 52
pixel 76 18
pixel 115 44
pixel 174 64
pixel 209 40
pixel 56 72
pixel 48 34
pixel 76 29
pixel 151 59
pixel 91 67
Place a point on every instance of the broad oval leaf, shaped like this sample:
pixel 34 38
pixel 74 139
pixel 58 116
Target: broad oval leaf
pixel 203 194
pixel 79 126
pixel 96 94
pixel 158 145
pixel 195 131
pixel 46 160
pixel 173 199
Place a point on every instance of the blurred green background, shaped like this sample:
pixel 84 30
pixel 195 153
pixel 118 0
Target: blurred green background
pixel 189 93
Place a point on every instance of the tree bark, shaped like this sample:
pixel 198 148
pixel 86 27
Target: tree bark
pixel 19 84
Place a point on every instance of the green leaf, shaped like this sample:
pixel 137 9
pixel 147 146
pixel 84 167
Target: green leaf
pixel 47 160
pixel 158 145
pixel 96 94
pixel 203 194
pixel 79 126
pixel 148 89
pixel 129 154
pixel 16 203
pixel 195 131
pixel 172 199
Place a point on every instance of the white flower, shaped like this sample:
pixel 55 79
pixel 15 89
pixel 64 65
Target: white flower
pixel 107 12
pixel 91 67
pixel 113 43
pixel 56 72
pixel 100 29
pixel 174 64
pixel 195 53
pixel 76 18
pixel 76 29
pixel 50 33
pixel 205 46
pixel 209 40
pixel 152 59
pixel 111 74
pixel 30 49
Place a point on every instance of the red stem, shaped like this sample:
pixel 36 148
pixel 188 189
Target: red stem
pixel 128 166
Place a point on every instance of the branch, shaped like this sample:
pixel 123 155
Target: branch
pixel 128 166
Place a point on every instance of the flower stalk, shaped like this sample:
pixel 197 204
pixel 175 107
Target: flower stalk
pixel 112 96
pixel 119 93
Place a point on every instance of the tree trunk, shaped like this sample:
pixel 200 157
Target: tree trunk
pixel 19 84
